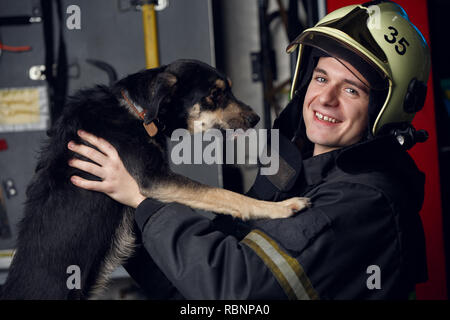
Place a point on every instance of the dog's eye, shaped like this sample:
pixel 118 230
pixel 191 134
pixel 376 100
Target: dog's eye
pixel 214 98
pixel 215 93
pixel 207 101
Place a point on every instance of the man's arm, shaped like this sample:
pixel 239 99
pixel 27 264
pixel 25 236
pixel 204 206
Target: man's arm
pixel 205 263
pixel 323 251
pixel 152 281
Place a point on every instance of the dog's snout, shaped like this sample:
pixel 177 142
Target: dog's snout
pixel 253 119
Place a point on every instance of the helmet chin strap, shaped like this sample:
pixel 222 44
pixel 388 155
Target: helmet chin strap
pixel 376 101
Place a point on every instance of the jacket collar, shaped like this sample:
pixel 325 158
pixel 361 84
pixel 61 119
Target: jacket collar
pixel 383 153
pixel 317 168
pixel 379 153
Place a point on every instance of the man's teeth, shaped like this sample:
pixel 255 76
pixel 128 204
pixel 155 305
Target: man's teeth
pixel 326 118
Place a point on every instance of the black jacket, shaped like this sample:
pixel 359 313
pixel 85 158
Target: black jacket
pixel 362 230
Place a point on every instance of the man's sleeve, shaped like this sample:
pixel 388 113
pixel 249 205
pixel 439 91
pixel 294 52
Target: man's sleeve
pixel 322 252
pixel 152 281
pixel 350 228
pixel 205 263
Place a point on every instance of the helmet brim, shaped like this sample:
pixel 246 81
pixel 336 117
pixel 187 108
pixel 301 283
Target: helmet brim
pixel 343 52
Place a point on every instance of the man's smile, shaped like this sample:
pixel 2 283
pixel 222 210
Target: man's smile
pixel 325 118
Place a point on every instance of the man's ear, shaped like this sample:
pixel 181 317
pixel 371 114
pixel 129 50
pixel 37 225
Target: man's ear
pixel 161 89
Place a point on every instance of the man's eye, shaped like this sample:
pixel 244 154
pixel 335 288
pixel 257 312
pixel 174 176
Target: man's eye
pixel 351 91
pixel 320 79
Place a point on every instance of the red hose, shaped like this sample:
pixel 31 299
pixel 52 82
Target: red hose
pixel 14 49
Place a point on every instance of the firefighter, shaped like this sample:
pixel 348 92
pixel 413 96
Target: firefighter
pixel 361 76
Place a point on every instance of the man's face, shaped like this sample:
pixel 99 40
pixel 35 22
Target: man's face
pixel 335 109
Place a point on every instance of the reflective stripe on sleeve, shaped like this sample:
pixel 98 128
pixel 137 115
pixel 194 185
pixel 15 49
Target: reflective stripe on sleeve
pixel 288 272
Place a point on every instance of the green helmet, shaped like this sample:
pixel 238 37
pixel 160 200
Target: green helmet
pixel 383 37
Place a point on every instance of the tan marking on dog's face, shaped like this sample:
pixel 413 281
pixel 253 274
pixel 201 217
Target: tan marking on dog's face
pixel 220 84
pixel 232 108
pixel 231 117
pixel 194 113
pixel 220 87
pixel 219 110
pixel 202 120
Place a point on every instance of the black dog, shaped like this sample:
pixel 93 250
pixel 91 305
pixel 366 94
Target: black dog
pixel 67 226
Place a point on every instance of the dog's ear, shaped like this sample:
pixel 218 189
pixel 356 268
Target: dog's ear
pixel 148 89
pixel 161 90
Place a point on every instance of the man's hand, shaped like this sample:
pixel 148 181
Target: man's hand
pixel 116 181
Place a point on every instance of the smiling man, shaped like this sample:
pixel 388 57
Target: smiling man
pixel 343 142
pixel 335 109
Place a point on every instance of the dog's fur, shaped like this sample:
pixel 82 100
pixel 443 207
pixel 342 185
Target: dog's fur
pixel 65 225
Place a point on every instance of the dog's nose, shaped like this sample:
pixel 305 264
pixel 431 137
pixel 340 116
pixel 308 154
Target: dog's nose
pixel 253 119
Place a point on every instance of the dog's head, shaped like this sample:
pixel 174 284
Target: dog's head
pixel 188 94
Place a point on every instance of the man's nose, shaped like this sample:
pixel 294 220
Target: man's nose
pixel 329 96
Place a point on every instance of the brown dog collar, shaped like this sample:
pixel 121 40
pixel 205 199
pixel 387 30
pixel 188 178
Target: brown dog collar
pixel 151 128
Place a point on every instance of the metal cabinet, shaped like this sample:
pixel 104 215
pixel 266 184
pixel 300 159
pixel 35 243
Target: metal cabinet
pixel 110 31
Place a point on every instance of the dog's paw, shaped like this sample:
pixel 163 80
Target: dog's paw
pixel 276 210
pixel 297 204
pixel 293 205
